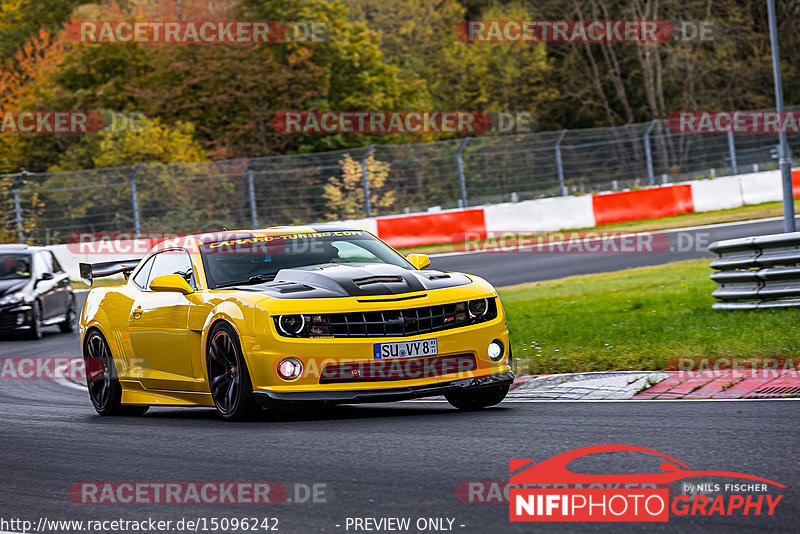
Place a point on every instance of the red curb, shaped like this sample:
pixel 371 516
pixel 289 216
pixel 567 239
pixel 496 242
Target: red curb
pixel 663 386
pixel 723 380
pixel 688 384
pixel 748 381
pixel 787 384
pixel 727 384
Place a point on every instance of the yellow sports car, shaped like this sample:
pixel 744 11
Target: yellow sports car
pixel 281 316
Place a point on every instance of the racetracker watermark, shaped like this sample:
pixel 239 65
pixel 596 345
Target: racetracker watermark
pixel 589 242
pixel 737 122
pixel 69 122
pixel 759 367
pixel 584 31
pixel 404 122
pixel 188 493
pixel 42 367
pixel 196 32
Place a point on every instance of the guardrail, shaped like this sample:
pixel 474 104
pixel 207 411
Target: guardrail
pixel 757 272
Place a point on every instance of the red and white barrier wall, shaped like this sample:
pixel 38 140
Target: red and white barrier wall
pixel 585 211
pixel 540 215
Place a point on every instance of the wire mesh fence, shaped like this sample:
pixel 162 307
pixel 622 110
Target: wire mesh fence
pixel 367 181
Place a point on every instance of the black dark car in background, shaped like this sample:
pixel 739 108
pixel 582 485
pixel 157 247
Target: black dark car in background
pixel 34 292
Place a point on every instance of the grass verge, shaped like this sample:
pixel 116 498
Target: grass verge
pixel 744 213
pixel 637 319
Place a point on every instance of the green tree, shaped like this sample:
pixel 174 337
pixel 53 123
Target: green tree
pixel 172 196
pixel 419 36
pixel 354 74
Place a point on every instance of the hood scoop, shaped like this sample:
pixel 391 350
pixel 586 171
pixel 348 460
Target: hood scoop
pixel 356 280
pixel 290 287
pixel 360 282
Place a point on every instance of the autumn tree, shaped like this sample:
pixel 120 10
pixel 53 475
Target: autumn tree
pixel 344 195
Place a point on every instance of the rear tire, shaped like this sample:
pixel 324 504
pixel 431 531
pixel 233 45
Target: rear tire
pixel 228 378
pixel 478 398
pixel 105 390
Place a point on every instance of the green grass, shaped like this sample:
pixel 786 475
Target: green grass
pixel 637 319
pixel 744 213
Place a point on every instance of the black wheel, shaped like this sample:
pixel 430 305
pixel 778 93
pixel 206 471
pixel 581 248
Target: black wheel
pixel 36 322
pixel 70 324
pixel 477 398
pixel 229 381
pixel 101 379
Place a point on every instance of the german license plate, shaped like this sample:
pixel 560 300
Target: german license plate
pixel 405 349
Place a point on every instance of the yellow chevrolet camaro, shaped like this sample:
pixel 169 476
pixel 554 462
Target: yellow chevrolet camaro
pixel 290 315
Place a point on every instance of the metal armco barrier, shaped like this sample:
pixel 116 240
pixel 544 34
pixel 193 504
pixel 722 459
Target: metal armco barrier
pixel 757 272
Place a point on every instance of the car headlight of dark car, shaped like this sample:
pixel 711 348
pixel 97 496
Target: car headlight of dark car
pixel 14 298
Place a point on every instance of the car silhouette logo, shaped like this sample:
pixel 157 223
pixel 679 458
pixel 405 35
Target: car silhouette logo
pixel 554 470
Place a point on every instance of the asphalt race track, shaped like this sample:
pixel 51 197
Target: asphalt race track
pixel 509 268
pixel 403 460
pixel 389 460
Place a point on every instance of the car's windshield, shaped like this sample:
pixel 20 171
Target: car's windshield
pixel 258 258
pixel 15 266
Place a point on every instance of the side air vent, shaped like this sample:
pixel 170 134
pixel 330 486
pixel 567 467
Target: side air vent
pixel 378 280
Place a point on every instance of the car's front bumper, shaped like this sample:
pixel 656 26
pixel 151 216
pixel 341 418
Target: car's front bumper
pixel 16 317
pixel 272 398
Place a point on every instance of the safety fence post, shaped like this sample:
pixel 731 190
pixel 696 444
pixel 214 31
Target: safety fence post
pixel 19 180
pixel 648 153
pixel 732 149
pixel 461 181
pixel 560 164
pixel 365 179
pixel 135 198
pixel 251 191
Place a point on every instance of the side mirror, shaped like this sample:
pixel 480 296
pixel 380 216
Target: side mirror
pixel 171 283
pixel 420 261
pixel 46 276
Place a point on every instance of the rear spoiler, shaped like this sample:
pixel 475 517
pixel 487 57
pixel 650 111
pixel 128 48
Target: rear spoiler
pixel 90 271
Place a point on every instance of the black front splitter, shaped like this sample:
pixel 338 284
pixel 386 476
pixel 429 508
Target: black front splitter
pixel 272 398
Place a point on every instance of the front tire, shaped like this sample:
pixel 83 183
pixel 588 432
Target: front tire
pixel 105 391
pixel 36 322
pixel 70 325
pixel 477 398
pixel 228 378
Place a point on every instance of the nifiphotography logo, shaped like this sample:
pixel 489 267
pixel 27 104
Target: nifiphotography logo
pixel 549 491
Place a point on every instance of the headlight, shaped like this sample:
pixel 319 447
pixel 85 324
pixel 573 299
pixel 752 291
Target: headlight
pixel 291 325
pixel 478 308
pixel 290 368
pixel 12 299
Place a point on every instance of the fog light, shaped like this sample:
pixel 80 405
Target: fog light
pixel 20 318
pixel 290 368
pixel 495 351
